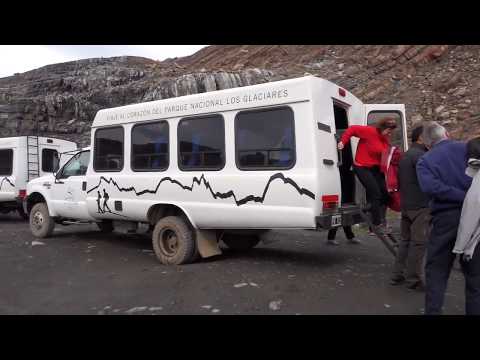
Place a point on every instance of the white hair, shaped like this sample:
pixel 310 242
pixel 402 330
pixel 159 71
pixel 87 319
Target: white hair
pixel 433 133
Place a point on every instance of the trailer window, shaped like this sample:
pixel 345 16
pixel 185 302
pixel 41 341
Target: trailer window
pixel 108 148
pixel 150 147
pixel 6 162
pixel 50 160
pixel 397 134
pixel 265 139
pixel 201 142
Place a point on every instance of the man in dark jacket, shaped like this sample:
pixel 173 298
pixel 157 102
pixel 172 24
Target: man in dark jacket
pixel 415 218
pixel 441 174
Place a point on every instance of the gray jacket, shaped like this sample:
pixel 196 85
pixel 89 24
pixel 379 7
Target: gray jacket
pixel 468 234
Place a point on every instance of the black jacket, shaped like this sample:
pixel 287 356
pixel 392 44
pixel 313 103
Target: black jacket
pixel 411 196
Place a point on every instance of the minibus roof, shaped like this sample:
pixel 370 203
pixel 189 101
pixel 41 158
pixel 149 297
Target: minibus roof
pixel 240 98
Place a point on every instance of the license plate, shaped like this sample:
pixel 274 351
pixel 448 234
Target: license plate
pixel 336 220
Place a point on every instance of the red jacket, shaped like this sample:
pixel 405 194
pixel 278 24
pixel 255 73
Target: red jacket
pixel 370 147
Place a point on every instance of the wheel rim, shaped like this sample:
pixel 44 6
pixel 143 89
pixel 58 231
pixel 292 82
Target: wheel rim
pixel 168 242
pixel 38 220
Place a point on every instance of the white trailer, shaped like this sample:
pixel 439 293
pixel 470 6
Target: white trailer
pixel 25 158
pixel 207 167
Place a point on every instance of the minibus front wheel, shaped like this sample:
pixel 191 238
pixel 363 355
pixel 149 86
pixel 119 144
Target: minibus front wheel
pixel 41 223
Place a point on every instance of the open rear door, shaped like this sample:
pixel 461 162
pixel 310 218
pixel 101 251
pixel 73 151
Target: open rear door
pixel 373 112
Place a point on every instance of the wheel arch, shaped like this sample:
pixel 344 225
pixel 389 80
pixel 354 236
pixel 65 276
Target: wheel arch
pixel 35 198
pixel 160 210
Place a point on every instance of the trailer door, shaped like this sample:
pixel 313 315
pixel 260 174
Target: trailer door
pixel 7 169
pixel 373 112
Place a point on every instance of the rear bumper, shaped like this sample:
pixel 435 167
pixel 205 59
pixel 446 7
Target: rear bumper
pixel 350 215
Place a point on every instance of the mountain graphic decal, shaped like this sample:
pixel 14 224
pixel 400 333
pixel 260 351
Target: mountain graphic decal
pixel 202 181
pixel 6 180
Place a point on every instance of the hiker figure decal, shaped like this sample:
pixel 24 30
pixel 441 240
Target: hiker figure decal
pixel 102 204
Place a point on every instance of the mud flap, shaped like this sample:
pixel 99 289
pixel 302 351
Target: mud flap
pixel 207 243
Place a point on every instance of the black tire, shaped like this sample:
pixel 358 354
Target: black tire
pixel 41 224
pixel 105 226
pixel 22 214
pixel 237 242
pixel 173 241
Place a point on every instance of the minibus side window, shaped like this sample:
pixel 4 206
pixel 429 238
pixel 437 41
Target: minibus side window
pixel 397 134
pixel 50 160
pixel 265 139
pixel 6 162
pixel 108 149
pixel 201 143
pixel 150 147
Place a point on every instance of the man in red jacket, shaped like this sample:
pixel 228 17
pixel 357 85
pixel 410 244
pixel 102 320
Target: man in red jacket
pixel 374 140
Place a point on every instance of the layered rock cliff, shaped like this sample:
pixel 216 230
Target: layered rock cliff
pixel 436 82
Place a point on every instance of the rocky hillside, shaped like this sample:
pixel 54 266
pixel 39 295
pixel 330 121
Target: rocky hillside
pixel 436 82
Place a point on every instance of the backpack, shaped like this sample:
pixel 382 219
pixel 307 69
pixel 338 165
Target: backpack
pixel 389 167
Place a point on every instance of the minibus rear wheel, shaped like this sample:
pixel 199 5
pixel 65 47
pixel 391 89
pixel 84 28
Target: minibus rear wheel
pixel 41 224
pixel 173 241
pixel 238 242
pixel 105 226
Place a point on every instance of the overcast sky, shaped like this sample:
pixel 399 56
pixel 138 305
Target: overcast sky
pixel 21 58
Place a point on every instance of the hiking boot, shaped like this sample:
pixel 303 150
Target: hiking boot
pixel 333 242
pixel 397 280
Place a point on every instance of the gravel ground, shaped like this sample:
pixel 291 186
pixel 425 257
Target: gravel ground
pixel 82 271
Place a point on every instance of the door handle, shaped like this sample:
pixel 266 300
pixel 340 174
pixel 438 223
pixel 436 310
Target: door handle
pixel 84 186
